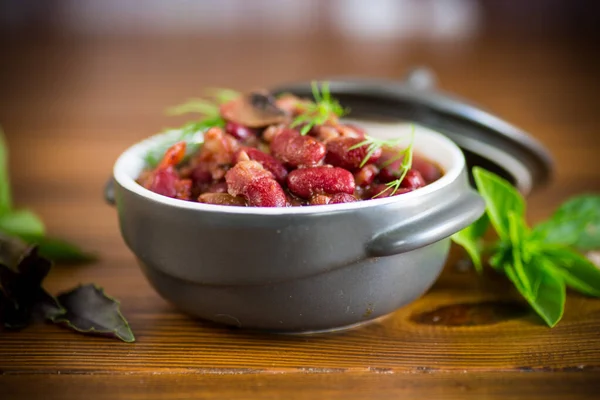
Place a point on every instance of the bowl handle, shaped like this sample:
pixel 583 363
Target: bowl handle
pixel 436 225
pixel 109 192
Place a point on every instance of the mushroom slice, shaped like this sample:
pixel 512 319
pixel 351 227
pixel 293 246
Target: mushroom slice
pixel 254 110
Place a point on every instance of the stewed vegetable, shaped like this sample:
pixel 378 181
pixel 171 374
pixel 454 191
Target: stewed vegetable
pixel 263 151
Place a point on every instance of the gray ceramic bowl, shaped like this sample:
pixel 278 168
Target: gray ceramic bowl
pixel 298 269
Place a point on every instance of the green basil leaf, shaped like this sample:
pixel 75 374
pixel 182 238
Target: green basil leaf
pixel 518 232
pixel 62 252
pixel 471 239
pixel 502 255
pixel 549 300
pixel 578 272
pixel 576 223
pixel 90 310
pixel 500 198
pixel 510 272
pixel 5 195
pixel 547 291
pixel 21 223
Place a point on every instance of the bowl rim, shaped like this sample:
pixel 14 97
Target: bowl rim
pixel 134 154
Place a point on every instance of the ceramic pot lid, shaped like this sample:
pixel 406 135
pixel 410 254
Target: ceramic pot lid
pixel 485 139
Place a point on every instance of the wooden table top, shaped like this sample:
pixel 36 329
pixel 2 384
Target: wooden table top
pixel 69 107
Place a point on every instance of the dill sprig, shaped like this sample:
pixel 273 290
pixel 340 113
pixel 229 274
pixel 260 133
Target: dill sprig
pixel 208 108
pixel 374 144
pixel 405 154
pixel 407 158
pixel 222 95
pixel 320 111
pixel 199 106
pixel 190 132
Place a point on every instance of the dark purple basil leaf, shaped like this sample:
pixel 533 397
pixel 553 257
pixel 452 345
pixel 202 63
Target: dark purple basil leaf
pixel 29 272
pixel 90 310
pixel 11 317
pixel 11 250
pixel 47 307
pixel 21 279
pixel 15 317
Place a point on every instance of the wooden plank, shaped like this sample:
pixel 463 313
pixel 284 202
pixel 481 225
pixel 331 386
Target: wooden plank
pixel 489 336
pixel 238 385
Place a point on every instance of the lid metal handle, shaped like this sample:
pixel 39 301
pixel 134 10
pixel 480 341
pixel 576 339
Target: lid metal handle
pixel 421 78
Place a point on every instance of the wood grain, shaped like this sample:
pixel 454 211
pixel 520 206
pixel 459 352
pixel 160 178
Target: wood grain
pixel 168 341
pixel 69 107
pixel 331 386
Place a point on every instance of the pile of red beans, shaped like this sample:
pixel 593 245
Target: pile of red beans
pixel 259 160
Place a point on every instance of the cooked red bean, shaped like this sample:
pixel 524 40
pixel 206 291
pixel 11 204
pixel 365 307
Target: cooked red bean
pixel 269 162
pixel 389 165
pixel 223 199
pixel 238 131
pixel 296 150
pixel 200 175
pixel 390 172
pixel 366 175
pixel 339 153
pixel 428 171
pixel 243 173
pixel 306 182
pixel 413 180
pixel 163 180
pixel 257 185
pixel 339 198
pixel 265 193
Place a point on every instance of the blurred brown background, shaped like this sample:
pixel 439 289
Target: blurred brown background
pixel 80 80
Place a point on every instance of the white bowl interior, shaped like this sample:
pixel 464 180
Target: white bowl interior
pixel 430 144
